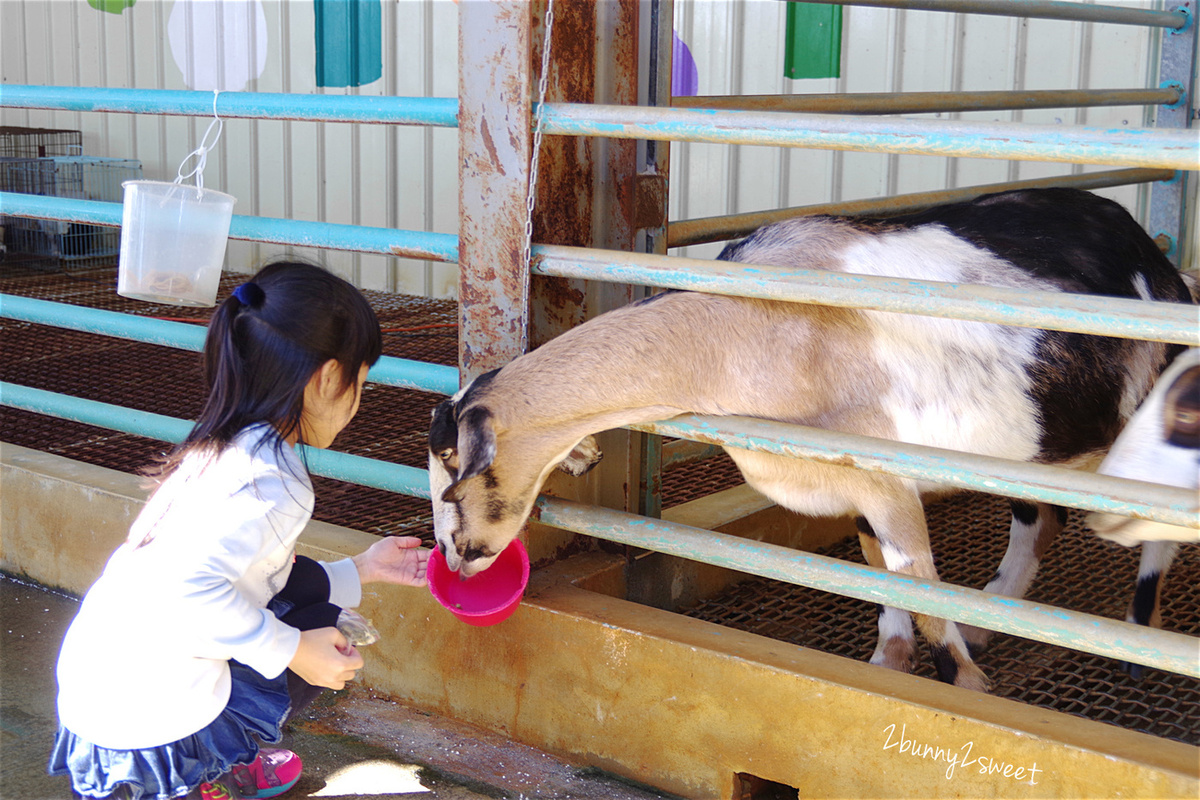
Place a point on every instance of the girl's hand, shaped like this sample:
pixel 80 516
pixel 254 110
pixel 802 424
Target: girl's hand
pixel 325 658
pixel 393 559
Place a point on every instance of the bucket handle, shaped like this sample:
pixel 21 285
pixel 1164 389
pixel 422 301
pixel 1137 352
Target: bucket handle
pixel 200 154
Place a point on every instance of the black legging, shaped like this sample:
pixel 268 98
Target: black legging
pixel 304 604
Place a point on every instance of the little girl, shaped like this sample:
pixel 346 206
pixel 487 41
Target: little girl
pixel 183 652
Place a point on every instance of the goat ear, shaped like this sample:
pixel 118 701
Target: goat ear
pixel 582 457
pixel 1181 410
pixel 476 448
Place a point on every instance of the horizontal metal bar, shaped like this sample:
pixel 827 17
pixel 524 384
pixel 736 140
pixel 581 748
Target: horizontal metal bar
pixel 929 102
pixel 94 412
pixel 1019 479
pixel 733 226
pixel 1079 313
pixel 328 463
pixel 397 478
pixel 420 375
pixel 432 111
pixel 1117 146
pixel 1104 316
pixel 1042 9
pixel 389 370
pixel 1123 147
pixel 180 335
pixel 1111 638
pixel 303 233
pixel 997 476
pixel 678 453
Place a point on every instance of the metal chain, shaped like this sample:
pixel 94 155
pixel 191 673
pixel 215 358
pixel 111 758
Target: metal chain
pixel 540 119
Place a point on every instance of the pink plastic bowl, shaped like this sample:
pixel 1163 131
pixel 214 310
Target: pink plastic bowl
pixel 487 598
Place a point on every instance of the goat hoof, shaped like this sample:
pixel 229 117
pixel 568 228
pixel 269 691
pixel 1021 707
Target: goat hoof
pixel 977 639
pixel 971 677
pixel 896 653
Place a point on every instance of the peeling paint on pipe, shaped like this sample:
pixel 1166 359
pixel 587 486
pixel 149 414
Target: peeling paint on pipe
pixel 1111 316
pixel 1105 316
pixel 424 245
pixel 389 370
pixel 1043 9
pixel 1131 147
pixel 733 226
pixel 1019 479
pixel 441 112
pixel 930 102
pixel 1105 637
pixel 1125 147
pixel 1111 638
pixel 328 463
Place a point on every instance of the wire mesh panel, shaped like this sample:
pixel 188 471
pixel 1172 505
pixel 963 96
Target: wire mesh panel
pixel 75 177
pixel 18 142
pixel 1081 572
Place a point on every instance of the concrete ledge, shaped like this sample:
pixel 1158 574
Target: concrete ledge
pixel 674 702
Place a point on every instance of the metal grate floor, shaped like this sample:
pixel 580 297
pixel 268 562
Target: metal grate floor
pixel 1080 572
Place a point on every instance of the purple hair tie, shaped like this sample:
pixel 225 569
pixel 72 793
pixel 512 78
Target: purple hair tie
pixel 250 294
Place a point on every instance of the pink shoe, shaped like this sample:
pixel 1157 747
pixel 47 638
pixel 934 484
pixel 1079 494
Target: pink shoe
pixel 272 773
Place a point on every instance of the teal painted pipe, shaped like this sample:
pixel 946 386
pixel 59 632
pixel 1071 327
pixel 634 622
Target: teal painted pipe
pixel 980 473
pixel 180 335
pixel 389 370
pixel 1105 637
pixel 1106 316
pixel 1174 652
pixel 396 478
pixel 1023 480
pixel 441 112
pixel 1039 9
pixel 332 236
pixel 93 412
pixel 1137 147
pixel 18 204
pixel 409 374
pixel 681 233
pixel 328 463
pixel 1110 316
pixel 1127 147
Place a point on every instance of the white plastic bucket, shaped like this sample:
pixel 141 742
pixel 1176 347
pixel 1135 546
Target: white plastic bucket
pixel 173 242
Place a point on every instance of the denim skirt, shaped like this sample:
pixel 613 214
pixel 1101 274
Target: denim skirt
pixel 257 707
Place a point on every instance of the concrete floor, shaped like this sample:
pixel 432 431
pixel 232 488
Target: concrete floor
pixel 354 743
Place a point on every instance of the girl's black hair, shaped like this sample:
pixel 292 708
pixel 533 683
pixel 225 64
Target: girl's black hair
pixel 264 343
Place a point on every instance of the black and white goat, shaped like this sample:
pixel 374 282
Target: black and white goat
pixel 1017 393
pixel 1161 444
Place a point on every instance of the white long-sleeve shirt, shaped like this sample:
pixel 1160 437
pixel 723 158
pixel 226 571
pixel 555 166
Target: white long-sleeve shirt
pixel 145 661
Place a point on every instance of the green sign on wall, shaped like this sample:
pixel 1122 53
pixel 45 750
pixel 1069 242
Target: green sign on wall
pixel 814 41
pixel 349 35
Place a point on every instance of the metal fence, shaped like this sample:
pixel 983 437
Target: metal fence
pixel 1172 147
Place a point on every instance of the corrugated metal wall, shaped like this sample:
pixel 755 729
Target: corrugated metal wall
pixel 407 177
pixel 385 176
pixel 739 49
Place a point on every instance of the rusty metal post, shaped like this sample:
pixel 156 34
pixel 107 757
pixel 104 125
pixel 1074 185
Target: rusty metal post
pixel 585 184
pixel 1177 69
pixel 494 136
pixel 651 214
pixel 588 190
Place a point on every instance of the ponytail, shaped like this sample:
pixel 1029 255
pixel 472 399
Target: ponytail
pixel 265 341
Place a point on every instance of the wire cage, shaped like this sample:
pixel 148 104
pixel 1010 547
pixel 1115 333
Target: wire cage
pixel 17 142
pixel 76 177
